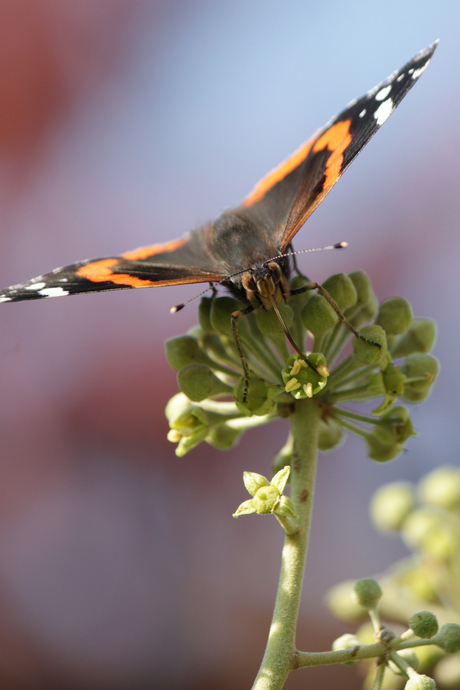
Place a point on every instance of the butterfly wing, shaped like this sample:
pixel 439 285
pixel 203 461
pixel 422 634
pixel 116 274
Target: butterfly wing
pixel 290 193
pixel 187 260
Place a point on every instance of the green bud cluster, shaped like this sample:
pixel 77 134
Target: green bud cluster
pixel 427 516
pixel 390 360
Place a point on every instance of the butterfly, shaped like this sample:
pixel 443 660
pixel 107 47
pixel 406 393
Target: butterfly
pixel 247 248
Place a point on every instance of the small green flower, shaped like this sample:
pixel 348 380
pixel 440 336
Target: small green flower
pixel 387 438
pixel 267 497
pixel 301 380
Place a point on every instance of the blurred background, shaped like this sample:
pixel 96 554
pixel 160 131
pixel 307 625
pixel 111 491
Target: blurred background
pixel 125 123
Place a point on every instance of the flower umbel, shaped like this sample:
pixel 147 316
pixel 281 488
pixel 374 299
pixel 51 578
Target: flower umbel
pixel 389 361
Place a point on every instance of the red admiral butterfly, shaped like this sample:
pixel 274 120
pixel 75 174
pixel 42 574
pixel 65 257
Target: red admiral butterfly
pixel 246 249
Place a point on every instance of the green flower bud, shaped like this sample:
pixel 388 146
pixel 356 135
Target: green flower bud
pixel 270 325
pixel 342 290
pixel 395 316
pixel 381 445
pixel 204 313
pixel 222 309
pixel 347 641
pixel 424 624
pixel 391 504
pixel 422 369
pixel 266 499
pixel 300 379
pixel 366 353
pixel 339 601
pixel 448 638
pixel 367 593
pixel 258 400
pixel 386 440
pixel 363 287
pixel 223 436
pixel 318 316
pixel 417 682
pixel 330 435
pixel 419 338
pixel 185 350
pixel 253 482
pixel 198 382
pixel 442 487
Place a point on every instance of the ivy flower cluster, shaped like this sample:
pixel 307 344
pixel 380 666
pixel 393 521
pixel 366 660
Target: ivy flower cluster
pixel 210 405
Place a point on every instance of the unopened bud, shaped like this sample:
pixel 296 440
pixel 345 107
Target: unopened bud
pixel 424 624
pixel 419 338
pixel 342 290
pixel 366 352
pixel 367 593
pixel 421 370
pixel 198 382
pixel 318 316
pixel 395 316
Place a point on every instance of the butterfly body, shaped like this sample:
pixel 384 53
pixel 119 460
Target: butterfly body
pixel 245 248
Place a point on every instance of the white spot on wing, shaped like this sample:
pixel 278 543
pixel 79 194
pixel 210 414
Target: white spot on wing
pixel 35 286
pixel 5 299
pixel 401 77
pixel 53 292
pixel 362 113
pixel 383 93
pixel 383 111
pixel 419 71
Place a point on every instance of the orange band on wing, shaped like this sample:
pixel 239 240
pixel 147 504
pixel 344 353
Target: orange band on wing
pixel 278 174
pixel 101 272
pixel 337 138
pixel 145 252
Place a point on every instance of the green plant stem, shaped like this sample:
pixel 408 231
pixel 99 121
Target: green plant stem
pixel 280 654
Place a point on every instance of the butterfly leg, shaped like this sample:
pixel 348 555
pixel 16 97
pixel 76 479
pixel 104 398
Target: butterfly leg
pixel 322 291
pixel 235 316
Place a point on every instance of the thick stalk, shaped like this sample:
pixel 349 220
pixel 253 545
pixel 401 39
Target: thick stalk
pixel 280 654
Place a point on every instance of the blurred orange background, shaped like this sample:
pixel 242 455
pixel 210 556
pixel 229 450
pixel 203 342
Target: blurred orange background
pixel 127 123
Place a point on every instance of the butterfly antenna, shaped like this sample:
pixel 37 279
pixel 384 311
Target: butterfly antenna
pixel 337 245
pixel 178 307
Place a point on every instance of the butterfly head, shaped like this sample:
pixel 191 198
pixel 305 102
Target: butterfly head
pixel 266 281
